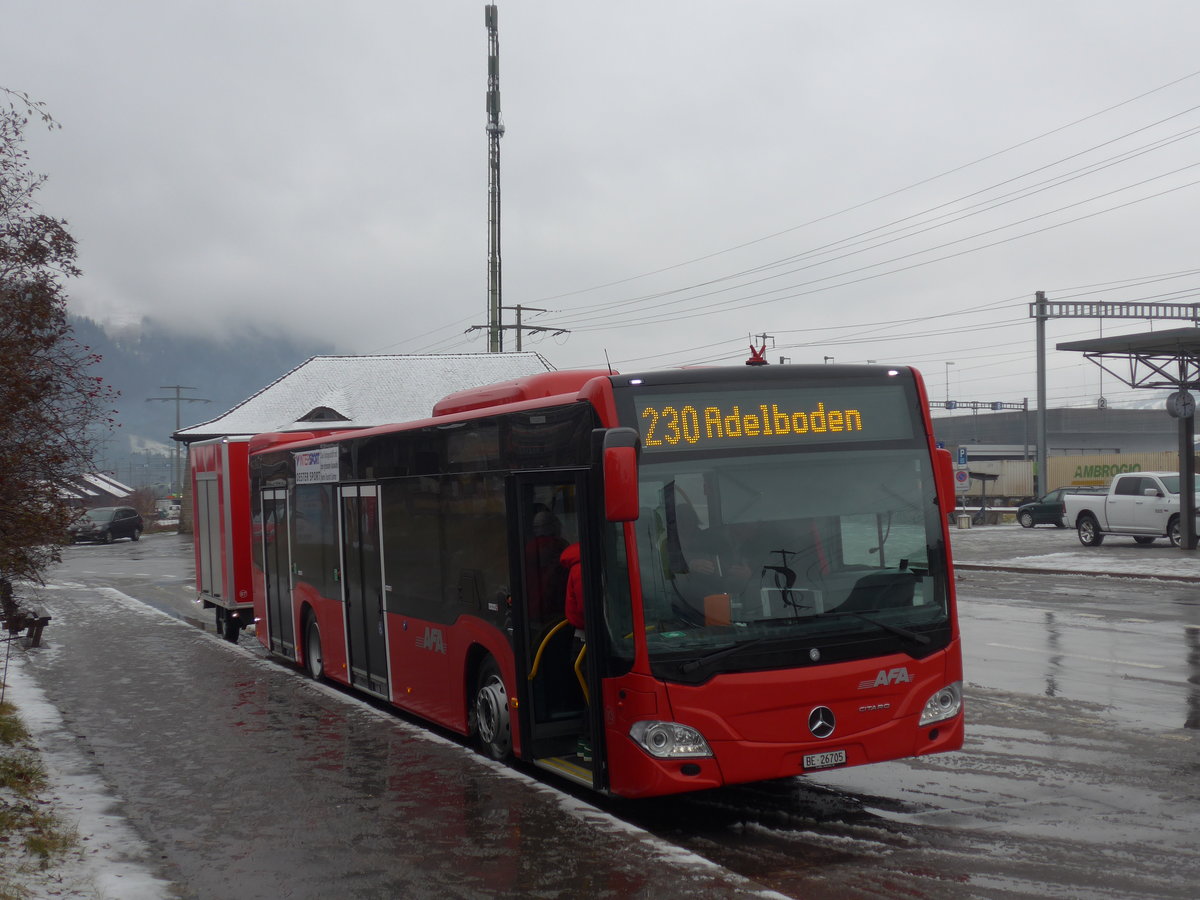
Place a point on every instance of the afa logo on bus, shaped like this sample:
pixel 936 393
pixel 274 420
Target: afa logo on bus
pixel 886 677
pixel 433 639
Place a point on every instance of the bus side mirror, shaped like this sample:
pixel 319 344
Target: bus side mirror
pixel 944 476
pixel 621 475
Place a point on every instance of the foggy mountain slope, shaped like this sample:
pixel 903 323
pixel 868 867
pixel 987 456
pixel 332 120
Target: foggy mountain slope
pixel 141 362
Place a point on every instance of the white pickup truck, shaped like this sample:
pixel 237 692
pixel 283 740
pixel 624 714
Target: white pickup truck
pixel 1144 505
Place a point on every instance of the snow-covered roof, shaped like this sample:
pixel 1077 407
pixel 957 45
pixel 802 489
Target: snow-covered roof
pixel 75 492
pixel 363 391
pixel 107 484
pixel 91 485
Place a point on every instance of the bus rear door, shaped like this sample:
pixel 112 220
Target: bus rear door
pixel 362 588
pixel 271 528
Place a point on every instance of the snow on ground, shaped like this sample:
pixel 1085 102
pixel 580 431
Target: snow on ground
pixel 1059 550
pixel 110 861
pixel 1085 562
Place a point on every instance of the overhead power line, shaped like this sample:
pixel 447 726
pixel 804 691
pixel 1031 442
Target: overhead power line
pixel 885 196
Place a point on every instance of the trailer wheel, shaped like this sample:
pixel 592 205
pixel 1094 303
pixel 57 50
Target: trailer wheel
pixel 1174 531
pixel 228 625
pixel 314 661
pixel 493 728
pixel 1090 534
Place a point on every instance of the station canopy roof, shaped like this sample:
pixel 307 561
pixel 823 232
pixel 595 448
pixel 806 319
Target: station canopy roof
pixel 1174 342
pixel 362 392
pixel 1156 359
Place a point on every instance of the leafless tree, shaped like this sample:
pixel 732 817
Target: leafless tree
pixel 51 407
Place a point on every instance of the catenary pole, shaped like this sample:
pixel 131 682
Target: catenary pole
pixel 495 131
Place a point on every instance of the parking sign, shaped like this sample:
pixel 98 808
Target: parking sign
pixel 962 481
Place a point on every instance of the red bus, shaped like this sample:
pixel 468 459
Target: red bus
pixel 766 575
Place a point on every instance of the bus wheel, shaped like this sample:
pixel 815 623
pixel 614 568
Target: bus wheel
pixel 314 661
pixel 231 627
pixel 492 726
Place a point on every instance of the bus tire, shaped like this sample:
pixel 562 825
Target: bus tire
pixel 492 725
pixel 314 659
pixel 1089 531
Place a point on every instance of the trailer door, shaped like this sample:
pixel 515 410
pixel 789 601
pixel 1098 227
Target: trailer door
pixel 362 588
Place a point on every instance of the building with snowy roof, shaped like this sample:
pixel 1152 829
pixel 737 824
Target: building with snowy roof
pixel 336 392
pixel 94 489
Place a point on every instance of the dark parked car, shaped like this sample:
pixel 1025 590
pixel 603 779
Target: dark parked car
pixel 1049 509
pixel 107 523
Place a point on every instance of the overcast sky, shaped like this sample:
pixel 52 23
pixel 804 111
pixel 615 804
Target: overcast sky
pixel 860 180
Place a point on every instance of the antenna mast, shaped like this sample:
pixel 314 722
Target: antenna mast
pixel 495 131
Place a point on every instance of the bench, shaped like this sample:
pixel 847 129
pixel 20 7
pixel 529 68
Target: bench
pixel 16 619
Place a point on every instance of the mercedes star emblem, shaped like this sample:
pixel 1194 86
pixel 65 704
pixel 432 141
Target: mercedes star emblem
pixel 821 722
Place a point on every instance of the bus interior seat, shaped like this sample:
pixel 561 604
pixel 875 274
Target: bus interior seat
pixel 881 590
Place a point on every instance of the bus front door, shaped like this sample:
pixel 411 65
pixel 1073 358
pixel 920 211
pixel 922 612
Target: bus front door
pixel 546 510
pixel 362 588
pixel 271 528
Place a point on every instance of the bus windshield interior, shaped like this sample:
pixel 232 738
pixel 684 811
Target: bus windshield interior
pixel 785 552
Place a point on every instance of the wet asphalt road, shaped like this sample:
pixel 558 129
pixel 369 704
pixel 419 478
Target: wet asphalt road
pixel 1079 777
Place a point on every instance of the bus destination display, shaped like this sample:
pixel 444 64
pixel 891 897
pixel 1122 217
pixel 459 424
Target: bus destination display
pixel 701 420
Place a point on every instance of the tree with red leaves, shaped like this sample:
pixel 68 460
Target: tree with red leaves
pixel 51 408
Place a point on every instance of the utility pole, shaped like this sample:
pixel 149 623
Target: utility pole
pixel 495 131
pixel 1038 311
pixel 178 400
pixel 520 327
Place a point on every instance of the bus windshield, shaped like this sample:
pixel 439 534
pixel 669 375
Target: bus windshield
pixel 788 558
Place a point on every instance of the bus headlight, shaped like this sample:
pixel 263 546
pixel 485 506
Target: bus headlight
pixel 669 740
pixel 945 704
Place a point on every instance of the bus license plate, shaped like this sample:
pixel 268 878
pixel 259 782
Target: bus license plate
pixel 825 760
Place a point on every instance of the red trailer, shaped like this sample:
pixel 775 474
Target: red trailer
pixel 220 476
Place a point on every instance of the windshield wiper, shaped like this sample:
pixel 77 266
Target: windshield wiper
pixel 886 626
pixel 713 657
